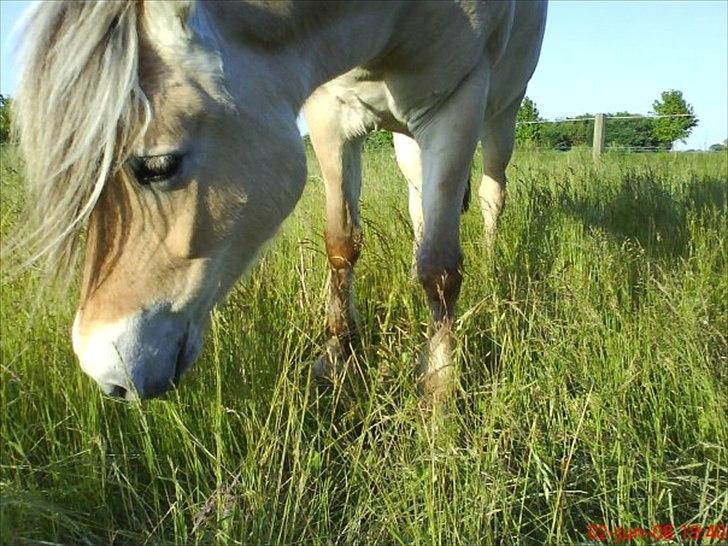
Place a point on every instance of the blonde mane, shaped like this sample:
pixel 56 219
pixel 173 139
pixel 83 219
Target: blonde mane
pixel 78 112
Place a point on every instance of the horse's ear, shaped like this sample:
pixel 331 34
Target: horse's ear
pixel 182 9
pixel 167 18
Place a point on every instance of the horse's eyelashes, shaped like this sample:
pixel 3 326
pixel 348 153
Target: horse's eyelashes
pixel 155 168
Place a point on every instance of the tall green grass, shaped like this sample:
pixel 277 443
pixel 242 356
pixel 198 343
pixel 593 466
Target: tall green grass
pixel 593 381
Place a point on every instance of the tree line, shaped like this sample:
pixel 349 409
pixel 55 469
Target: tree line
pixel 658 133
pixel 636 132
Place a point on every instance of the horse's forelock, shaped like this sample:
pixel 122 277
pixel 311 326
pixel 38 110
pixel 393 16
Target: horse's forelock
pixel 78 111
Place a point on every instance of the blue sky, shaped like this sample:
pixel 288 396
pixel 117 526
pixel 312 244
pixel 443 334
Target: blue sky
pixel 598 56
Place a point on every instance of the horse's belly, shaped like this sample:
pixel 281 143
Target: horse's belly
pixel 366 103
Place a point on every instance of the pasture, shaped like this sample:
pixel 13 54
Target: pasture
pixel 593 380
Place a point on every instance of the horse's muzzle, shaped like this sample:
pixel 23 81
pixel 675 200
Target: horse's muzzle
pixel 138 357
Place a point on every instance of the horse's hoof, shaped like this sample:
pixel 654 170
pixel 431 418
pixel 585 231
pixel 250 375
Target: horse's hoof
pixel 329 367
pixel 323 368
pixel 435 386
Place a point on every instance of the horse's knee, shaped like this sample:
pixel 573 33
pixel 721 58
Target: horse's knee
pixel 439 271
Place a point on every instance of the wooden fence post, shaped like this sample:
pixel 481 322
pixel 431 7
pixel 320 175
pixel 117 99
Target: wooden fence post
pixel 599 137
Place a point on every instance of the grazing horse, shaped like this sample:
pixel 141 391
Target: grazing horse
pixel 164 135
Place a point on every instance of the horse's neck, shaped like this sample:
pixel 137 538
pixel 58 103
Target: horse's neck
pixel 312 42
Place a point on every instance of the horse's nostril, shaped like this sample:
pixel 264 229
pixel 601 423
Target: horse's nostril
pixel 180 364
pixel 116 391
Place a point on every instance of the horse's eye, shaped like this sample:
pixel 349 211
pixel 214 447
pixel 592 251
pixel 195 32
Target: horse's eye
pixel 155 168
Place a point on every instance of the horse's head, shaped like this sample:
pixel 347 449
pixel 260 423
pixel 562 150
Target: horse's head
pixel 175 155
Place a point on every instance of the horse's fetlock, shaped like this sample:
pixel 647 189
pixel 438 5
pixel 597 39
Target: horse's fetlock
pixel 440 274
pixel 343 250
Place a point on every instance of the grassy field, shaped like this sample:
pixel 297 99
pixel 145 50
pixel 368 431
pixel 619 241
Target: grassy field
pixel 593 374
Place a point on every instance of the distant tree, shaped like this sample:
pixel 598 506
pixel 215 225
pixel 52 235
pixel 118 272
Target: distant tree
pixel 4 118
pixel 563 135
pixel 717 147
pixel 582 130
pixel 528 132
pixel 634 132
pixel 555 136
pixel 669 129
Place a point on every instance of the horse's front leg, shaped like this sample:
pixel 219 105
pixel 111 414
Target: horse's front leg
pixel 340 161
pixel 447 143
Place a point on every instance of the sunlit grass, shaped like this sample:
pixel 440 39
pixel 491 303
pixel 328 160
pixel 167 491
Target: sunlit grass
pixel 593 371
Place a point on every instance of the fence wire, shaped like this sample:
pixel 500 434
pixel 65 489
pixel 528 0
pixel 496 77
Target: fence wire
pixel 587 149
pixel 606 118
